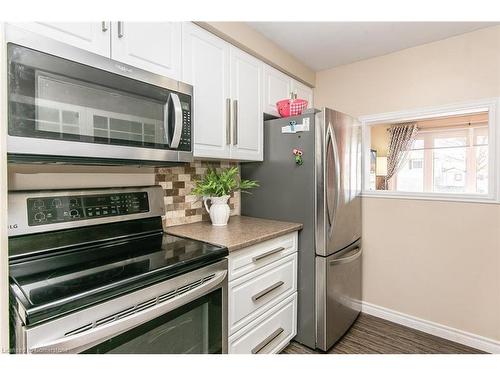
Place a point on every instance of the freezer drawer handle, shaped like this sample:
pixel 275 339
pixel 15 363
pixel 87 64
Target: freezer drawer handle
pixel 348 259
pixel 267 290
pixel 265 255
pixel 267 341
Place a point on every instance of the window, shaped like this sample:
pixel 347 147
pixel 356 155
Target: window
pixel 449 156
pixel 453 160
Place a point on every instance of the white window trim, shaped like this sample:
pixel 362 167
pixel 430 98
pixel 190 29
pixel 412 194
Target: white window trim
pixel 490 104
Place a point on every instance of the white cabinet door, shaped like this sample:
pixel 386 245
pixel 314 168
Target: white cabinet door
pixel 152 46
pixel 91 36
pixel 205 65
pixel 246 94
pixel 303 92
pixel 277 86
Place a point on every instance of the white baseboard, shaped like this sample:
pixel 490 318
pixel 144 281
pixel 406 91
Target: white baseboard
pixel 449 333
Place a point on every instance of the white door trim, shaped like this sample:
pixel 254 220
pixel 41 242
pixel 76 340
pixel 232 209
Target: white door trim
pixel 436 329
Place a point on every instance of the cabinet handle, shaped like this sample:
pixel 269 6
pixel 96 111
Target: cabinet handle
pixel 235 122
pixel 266 291
pixel 267 340
pixel 228 121
pixel 104 26
pixel 270 252
pixel 121 31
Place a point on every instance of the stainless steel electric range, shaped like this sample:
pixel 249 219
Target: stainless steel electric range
pixel 91 271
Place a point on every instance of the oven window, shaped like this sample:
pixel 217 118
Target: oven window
pixel 54 98
pixel 195 328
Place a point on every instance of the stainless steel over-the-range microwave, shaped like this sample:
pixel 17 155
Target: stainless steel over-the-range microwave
pixel 70 105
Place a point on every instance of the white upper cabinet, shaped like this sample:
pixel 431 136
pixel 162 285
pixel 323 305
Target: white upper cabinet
pixel 206 66
pixel 227 82
pixel 91 36
pixel 303 92
pixel 277 86
pixel 152 46
pixel 246 94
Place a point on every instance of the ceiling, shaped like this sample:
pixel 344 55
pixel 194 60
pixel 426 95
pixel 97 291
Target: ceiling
pixel 323 45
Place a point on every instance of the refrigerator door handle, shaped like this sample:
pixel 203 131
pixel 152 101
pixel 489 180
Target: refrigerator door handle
pixel 331 141
pixel 349 258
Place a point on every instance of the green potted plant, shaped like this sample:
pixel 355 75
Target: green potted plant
pixel 216 187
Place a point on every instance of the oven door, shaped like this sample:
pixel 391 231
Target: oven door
pixel 69 103
pixel 186 314
pixel 195 328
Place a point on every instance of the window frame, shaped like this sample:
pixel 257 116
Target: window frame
pixel 489 104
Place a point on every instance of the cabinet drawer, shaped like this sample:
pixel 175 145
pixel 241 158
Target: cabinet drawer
pixel 270 333
pixel 254 257
pixel 254 293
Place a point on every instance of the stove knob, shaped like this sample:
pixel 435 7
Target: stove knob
pixel 74 213
pixel 39 217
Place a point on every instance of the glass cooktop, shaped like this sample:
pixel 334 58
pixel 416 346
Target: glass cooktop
pixel 54 284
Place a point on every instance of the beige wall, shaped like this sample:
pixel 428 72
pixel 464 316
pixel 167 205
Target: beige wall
pixel 456 69
pixel 246 38
pixel 438 261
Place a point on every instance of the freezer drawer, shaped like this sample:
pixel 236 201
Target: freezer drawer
pixel 338 294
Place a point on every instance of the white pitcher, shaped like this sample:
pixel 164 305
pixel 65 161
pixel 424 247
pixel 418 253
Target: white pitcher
pixel 219 209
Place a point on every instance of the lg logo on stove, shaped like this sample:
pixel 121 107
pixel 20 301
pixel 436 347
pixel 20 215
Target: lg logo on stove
pixel 13 226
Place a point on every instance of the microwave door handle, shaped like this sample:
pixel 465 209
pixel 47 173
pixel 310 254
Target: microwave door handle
pixel 94 336
pixel 176 136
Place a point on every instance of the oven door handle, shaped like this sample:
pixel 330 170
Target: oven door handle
pixel 87 339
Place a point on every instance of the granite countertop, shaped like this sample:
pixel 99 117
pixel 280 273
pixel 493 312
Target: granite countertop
pixel 241 231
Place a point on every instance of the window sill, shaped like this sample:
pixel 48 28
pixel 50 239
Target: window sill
pixel 464 198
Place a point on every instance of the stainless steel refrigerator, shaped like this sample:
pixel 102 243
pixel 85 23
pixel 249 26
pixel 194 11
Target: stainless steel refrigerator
pixel 320 188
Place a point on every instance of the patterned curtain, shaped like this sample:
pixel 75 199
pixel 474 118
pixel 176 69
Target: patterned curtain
pixel 401 137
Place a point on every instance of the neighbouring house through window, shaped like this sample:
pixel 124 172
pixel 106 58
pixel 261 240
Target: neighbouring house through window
pixel 446 154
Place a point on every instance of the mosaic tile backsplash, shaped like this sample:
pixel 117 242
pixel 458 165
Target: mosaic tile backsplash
pixel 177 182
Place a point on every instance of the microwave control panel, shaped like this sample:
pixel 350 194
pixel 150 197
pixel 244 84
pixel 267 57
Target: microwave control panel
pixel 185 142
pixel 51 210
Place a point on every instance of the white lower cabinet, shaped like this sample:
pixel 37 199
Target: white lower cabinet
pixel 270 333
pixel 262 296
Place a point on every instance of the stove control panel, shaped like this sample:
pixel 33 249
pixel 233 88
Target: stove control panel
pixel 50 210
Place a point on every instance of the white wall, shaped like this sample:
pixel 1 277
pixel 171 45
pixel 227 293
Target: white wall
pixel 438 261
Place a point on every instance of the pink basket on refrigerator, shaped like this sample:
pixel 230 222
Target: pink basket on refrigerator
pixel 291 107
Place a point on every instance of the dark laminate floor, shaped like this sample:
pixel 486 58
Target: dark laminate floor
pixel 371 335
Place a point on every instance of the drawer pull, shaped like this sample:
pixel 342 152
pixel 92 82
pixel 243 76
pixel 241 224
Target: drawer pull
pixel 267 290
pixel 265 255
pixel 266 341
